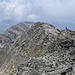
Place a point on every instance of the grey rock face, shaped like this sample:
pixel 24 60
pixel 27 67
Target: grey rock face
pixel 5 42
pixel 9 38
pixel 42 50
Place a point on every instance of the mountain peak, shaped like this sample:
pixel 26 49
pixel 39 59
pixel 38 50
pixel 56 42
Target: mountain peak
pixel 41 49
pixel 48 28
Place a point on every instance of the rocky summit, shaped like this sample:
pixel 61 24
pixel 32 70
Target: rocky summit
pixel 37 49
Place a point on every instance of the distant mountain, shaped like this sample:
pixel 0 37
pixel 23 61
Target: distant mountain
pixel 4 27
pixel 37 49
pixel 1 30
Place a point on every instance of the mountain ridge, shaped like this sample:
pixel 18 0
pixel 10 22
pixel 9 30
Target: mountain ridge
pixel 40 50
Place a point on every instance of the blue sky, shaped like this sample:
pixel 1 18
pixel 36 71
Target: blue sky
pixel 61 13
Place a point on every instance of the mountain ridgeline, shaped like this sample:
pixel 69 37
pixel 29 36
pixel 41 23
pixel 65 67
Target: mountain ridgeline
pixel 39 48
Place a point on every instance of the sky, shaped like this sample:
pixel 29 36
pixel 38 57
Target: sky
pixel 60 13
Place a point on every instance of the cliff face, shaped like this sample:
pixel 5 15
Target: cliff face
pixel 41 49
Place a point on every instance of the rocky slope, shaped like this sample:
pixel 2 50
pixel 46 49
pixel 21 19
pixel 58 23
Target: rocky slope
pixel 9 38
pixel 41 50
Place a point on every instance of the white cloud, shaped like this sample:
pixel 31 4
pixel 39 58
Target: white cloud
pixel 34 10
pixel 16 9
pixel 57 9
pixel 21 11
pixel 32 17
